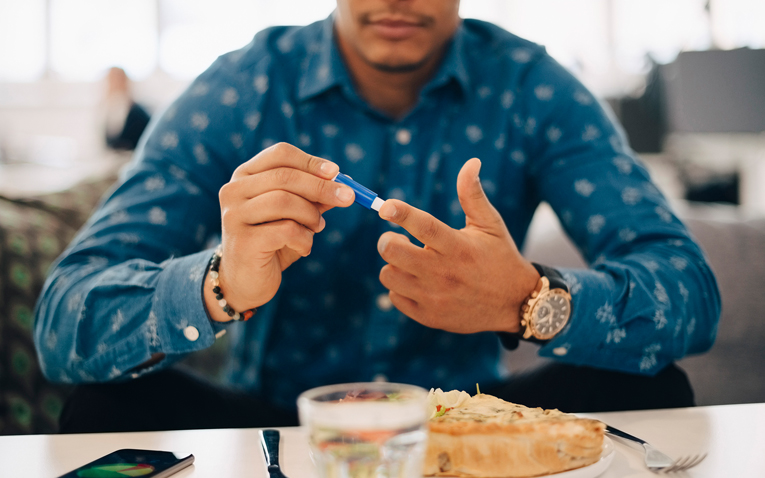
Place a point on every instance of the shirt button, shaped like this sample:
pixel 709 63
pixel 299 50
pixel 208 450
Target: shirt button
pixel 191 333
pixel 380 378
pixel 384 303
pixel 560 351
pixel 403 136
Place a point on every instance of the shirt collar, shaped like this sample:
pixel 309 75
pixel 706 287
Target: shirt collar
pixel 325 68
pixel 453 65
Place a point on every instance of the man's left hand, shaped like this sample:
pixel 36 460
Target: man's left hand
pixel 463 281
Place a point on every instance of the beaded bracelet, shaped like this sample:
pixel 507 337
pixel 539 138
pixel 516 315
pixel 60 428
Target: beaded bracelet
pixel 214 266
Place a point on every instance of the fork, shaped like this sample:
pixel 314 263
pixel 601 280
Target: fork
pixel 655 460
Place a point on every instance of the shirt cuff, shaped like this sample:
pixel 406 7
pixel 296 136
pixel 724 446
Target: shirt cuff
pixel 177 324
pixel 580 341
pixel 183 322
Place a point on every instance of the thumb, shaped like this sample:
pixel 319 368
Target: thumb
pixel 478 210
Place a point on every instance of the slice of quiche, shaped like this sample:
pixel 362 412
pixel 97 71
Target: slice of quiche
pixel 484 436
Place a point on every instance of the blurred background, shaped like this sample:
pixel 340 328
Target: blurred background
pixel 79 79
pixel 687 77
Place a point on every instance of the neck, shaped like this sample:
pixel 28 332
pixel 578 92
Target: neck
pixel 393 93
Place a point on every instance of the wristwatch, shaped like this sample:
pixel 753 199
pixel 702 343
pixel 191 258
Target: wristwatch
pixel 547 310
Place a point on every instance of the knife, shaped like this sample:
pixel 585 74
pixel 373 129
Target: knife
pixel 269 439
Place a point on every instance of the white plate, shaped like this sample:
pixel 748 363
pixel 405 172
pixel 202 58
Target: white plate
pixel 594 470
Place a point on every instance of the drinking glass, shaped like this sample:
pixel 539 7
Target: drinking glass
pixel 366 430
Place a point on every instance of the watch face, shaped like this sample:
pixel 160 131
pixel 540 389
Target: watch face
pixel 551 314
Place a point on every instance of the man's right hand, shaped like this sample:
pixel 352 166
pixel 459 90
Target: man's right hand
pixel 270 211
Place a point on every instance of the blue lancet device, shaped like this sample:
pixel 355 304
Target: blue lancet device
pixel 364 196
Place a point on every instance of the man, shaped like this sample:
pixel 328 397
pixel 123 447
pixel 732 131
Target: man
pixel 398 95
pixel 124 119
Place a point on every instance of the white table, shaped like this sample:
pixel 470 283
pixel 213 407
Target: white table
pixel 734 436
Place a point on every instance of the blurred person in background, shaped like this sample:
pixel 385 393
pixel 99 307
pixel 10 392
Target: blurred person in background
pixel 398 95
pixel 124 119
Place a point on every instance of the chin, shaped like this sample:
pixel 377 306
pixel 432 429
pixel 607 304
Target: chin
pixel 398 66
pixel 393 61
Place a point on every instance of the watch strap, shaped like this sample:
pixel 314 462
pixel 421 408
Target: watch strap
pixel 555 278
pixel 509 341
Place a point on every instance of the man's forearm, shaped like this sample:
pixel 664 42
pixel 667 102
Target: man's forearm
pixel 120 318
pixel 632 318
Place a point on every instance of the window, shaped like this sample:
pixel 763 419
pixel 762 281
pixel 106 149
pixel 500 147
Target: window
pixel 606 38
pixel 196 32
pixel 77 40
pixel 658 28
pixel 22 40
pixel 89 36
pixel 738 23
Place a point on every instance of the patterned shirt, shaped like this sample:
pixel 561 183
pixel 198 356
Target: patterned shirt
pixel 130 284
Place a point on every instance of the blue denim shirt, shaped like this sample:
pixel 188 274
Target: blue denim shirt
pixel 130 284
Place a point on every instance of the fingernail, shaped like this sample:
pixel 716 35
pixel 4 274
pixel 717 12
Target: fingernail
pixel 388 211
pixel 382 244
pixel 327 167
pixel 344 193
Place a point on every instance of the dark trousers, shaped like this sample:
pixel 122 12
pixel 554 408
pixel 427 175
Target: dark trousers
pixel 174 400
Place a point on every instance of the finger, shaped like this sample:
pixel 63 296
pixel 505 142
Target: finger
pixel 397 250
pixel 287 257
pixel 286 155
pixel 274 236
pixel 278 205
pixel 400 281
pixel 478 209
pixel 295 181
pixel 323 207
pixel 405 305
pixel 426 228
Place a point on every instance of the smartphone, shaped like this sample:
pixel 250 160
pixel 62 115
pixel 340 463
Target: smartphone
pixel 130 463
